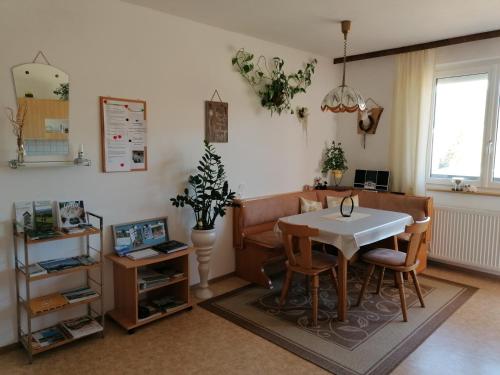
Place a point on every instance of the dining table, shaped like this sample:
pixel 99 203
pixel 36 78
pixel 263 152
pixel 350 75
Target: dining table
pixel 363 227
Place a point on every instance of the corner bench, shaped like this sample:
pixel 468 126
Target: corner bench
pixel 257 245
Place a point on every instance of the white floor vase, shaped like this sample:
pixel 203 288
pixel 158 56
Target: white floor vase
pixel 203 242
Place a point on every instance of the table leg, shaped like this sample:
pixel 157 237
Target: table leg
pixel 342 276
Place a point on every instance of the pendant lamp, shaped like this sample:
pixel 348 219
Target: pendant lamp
pixel 343 98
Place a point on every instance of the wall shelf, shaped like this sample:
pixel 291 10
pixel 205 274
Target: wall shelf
pixel 14 164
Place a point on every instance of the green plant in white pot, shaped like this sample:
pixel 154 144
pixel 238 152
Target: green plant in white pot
pixel 209 196
pixel 334 160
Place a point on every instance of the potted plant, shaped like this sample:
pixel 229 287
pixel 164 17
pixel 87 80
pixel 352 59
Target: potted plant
pixel 209 196
pixel 334 160
pixel 274 87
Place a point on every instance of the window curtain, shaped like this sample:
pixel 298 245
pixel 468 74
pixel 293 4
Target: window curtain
pixel 410 120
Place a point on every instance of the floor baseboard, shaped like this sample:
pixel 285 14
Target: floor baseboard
pixel 460 268
pixel 218 278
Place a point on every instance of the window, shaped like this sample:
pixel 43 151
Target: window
pixel 464 123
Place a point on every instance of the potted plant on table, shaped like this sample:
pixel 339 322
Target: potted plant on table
pixel 334 160
pixel 209 196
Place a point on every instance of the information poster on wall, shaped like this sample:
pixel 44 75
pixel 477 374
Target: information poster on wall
pixel 124 135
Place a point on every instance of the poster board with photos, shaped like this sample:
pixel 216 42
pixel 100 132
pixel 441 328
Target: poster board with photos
pixel 123 135
pixel 138 235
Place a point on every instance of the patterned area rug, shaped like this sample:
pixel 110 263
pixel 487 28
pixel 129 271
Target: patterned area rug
pixel 373 340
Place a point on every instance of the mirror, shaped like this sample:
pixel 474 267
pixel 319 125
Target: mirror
pixel 44 90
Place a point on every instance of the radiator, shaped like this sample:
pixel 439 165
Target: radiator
pixel 466 237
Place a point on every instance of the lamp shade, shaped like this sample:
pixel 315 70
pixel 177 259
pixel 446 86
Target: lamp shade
pixel 343 99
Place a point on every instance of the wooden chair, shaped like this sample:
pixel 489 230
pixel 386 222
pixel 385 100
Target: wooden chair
pixel 399 262
pixel 301 259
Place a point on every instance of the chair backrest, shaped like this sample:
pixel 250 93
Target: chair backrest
pixel 296 239
pixel 417 233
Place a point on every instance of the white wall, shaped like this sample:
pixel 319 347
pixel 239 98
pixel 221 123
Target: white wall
pixel 113 48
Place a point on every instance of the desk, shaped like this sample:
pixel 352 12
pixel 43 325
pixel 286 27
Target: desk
pixel 365 226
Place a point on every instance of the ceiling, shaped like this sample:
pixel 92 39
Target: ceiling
pixel 314 25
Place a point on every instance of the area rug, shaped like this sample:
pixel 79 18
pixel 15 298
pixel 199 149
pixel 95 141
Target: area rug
pixel 372 341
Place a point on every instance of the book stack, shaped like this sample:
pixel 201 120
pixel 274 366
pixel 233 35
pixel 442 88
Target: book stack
pixel 80 327
pixel 146 310
pixel 148 278
pixel 79 294
pixel 46 337
pixel 166 303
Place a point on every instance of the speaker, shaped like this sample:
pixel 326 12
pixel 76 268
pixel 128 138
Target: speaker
pixel 372 180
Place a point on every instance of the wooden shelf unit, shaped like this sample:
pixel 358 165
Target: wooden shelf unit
pixel 24 302
pixel 128 295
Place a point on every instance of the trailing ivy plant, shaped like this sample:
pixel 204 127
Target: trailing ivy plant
pixel 208 193
pixel 334 158
pixel 274 88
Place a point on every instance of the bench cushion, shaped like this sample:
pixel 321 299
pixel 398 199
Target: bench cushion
pixel 269 239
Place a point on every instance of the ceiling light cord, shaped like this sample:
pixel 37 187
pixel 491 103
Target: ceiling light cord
pixel 345 52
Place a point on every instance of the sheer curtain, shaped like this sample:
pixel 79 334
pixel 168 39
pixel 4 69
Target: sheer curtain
pixel 410 120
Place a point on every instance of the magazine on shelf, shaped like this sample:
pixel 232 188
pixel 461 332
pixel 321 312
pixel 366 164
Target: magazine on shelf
pixel 24 215
pixel 71 214
pixel 82 326
pixel 35 270
pixel 86 260
pixel 148 278
pixel 55 265
pixel 79 294
pixel 44 217
pixel 46 337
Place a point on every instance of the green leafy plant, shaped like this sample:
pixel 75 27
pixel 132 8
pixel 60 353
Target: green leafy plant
pixel 274 88
pixel 62 91
pixel 210 195
pixel 334 158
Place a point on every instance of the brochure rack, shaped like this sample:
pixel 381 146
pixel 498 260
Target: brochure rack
pixel 29 307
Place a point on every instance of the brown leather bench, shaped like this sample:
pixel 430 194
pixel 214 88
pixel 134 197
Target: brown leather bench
pixel 257 245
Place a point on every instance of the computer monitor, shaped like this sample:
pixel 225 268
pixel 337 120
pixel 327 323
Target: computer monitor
pixel 372 180
pixel 138 235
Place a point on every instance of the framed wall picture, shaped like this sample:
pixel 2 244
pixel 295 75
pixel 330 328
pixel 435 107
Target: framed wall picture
pixel 216 120
pixel 124 135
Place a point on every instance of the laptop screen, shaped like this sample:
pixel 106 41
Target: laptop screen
pixel 139 235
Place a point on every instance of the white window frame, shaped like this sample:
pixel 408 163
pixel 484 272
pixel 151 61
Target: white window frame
pixel 492 68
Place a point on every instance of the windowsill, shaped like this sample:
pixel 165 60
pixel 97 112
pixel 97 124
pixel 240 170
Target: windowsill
pixel 488 193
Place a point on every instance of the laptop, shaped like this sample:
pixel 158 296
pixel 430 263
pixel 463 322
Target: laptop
pixel 144 239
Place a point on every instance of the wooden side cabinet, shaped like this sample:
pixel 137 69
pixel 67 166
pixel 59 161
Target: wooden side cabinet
pixel 128 293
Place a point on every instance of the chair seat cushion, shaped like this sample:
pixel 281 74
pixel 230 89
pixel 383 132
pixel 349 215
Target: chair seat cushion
pixel 320 260
pixel 269 239
pixel 385 256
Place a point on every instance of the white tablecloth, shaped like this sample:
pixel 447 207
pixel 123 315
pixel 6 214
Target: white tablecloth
pixel 348 234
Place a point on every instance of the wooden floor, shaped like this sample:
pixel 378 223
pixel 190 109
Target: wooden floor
pixel 199 342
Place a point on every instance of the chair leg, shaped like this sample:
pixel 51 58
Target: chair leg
pixel 399 278
pixel 365 283
pixel 380 279
pixel 314 296
pixel 333 275
pixel 286 286
pixel 396 244
pixel 417 287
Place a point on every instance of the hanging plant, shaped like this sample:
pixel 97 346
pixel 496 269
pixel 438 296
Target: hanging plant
pixel 274 88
